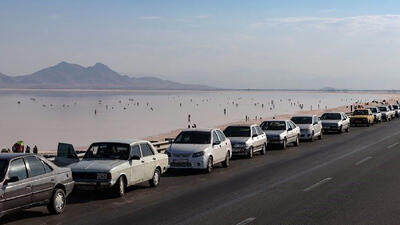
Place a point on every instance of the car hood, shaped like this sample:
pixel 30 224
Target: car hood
pixel 239 139
pixel 187 148
pixel 274 132
pixel 304 126
pixel 330 121
pixel 95 165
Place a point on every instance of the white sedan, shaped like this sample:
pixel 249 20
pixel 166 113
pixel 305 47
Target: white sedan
pixel 199 149
pixel 281 132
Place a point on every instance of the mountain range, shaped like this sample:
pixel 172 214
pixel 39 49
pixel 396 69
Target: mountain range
pixel 74 76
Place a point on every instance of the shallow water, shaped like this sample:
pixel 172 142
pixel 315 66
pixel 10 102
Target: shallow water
pixel 45 117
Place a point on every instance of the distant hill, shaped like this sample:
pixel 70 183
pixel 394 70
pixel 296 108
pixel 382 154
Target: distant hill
pixel 67 75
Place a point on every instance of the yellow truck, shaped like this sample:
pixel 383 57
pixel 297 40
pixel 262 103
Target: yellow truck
pixel 362 117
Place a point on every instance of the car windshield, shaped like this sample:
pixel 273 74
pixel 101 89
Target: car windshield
pixel 395 106
pixel 331 116
pixel 193 137
pixel 237 131
pixel 383 109
pixel 273 125
pixel 3 168
pixel 107 151
pixel 360 112
pixel 302 119
pixel 373 110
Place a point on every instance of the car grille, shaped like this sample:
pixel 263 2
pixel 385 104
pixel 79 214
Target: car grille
pixel 184 155
pixel 181 164
pixel 84 176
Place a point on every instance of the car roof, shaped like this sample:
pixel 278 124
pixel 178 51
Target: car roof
pixel 122 141
pixel 199 129
pixel 303 116
pixel 276 120
pixel 9 156
pixel 242 125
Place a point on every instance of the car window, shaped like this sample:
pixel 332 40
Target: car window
pixel 259 131
pixel 215 137
pixel 47 168
pixel 146 150
pixel 253 131
pixel 291 124
pixel 135 151
pixel 35 165
pixel 18 169
pixel 221 135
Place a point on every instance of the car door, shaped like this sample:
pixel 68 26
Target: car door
pixel 255 136
pixel 42 182
pixel 137 165
pixel 217 148
pixel 65 155
pixel 149 160
pixel 224 142
pixel 18 192
pixel 291 132
pixel 262 138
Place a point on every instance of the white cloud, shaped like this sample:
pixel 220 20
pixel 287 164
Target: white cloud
pixel 150 17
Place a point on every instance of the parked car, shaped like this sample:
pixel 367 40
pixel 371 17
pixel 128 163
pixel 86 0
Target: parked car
pixel 396 110
pixel 115 165
pixel 28 180
pixel 362 117
pixel 246 139
pixel 335 121
pixel 377 114
pixel 281 132
pixel 310 126
pixel 392 111
pixel 386 113
pixel 199 149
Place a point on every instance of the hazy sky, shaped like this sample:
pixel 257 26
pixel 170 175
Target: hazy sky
pixel 238 44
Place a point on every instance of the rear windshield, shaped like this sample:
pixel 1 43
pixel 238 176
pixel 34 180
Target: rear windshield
pixel 273 125
pixel 331 116
pixel 360 112
pixel 302 119
pixel 108 151
pixel 3 168
pixel 239 131
pixel 193 137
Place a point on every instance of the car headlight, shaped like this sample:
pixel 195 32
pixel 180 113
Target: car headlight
pixel 198 154
pixel 103 176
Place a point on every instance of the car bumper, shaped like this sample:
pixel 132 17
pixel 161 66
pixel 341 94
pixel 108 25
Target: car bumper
pixel 69 187
pixel 188 163
pixel 240 151
pixel 92 185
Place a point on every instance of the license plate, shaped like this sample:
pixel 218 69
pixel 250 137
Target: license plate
pixel 180 160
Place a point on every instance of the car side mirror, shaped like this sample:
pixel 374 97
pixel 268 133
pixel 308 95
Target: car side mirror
pixel 11 180
pixel 254 135
pixel 216 143
pixel 289 129
pixel 135 157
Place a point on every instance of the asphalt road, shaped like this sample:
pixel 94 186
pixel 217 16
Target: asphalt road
pixel 351 178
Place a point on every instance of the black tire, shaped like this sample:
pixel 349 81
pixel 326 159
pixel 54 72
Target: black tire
pixel 155 181
pixel 297 143
pixel 312 137
pixel 119 187
pixel 340 130
pixel 347 130
pixel 57 202
pixel 320 136
pixel 250 154
pixel 209 165
pixel 263 149
pixel 226 163
pixel 284 144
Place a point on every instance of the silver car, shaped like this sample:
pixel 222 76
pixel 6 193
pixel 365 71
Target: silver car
pixel 116 165
pixel 310 127
pixel 246 139
pixel 281 132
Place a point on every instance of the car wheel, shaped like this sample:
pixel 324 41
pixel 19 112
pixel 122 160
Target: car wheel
pixel 320 135
pixel 209 165
pixel 297 143
pixel 156 178
pixel 348 129
pixel 227 160
pixel 119 187
pixel 263 149
pixel 57 202
pixel 284 144
pixel 340 130
pixel 312 137
pixel 250 153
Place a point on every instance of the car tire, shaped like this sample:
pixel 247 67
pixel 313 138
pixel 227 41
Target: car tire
pixel 320 136
pixel 155 181
pixel 119 187
pixel 312 137
pixel 263 149
pixel 340 130
pixel 250 154
pixel 57 202
pixel 347 129
pixel 297 142
pixel 284 144
pixel 226 162
pixel 209 167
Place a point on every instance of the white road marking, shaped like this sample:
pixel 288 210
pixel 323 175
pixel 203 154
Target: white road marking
pixel 363 160
pixel 318 184
pixel 247 221
pixel 392 145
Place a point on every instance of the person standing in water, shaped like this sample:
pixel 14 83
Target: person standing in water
pixel 35 150
pixel 28 149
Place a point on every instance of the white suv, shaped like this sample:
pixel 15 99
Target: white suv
pixel 246 139
pixel 199 149
pixel 281 132
pixel 310 127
